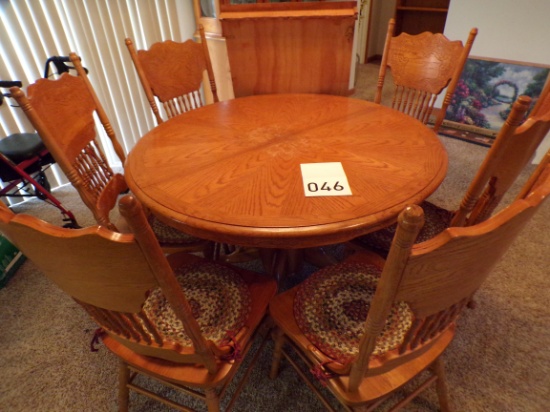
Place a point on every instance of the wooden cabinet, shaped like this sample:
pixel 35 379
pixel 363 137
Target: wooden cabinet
pixel 417 16
pixel 296 47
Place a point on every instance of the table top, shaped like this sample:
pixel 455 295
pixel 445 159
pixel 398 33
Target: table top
pixel 230 171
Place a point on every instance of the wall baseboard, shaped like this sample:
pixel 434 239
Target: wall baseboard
pixel 374 59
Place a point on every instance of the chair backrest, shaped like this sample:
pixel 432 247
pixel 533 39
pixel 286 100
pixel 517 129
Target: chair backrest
pixel 173 73
pixel 541 172
pixel 62 112
pixel 422 66
pixel 541 111
pixel 437 278
pixel 109 275
pixel 510 152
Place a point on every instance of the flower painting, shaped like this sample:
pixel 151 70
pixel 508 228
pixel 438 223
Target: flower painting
pixel 487 89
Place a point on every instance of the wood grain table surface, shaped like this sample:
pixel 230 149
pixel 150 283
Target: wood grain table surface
pixel 230 171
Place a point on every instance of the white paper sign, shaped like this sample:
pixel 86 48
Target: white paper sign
pixel 325 179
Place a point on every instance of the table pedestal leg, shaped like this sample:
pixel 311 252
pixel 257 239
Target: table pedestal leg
pixel 281 262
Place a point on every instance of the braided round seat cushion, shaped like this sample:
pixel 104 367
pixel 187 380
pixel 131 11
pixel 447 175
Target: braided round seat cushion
pixel 331 307
pixel 219 299
pixel 436 219
pixel 169 236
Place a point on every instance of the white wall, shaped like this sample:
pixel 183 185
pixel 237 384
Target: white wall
pixel 186 18
pixel 508 30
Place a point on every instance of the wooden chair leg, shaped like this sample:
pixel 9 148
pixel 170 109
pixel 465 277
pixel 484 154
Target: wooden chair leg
pixel 242 254
pixel 123 391
pixel 441 385
pixel 279 339
pixel 212 400
pixel 318 257
pixel 209 250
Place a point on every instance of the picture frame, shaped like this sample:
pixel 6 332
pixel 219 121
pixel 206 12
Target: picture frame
pixel 485 93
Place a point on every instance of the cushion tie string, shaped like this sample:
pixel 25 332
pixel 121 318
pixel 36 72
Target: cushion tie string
pixel 98 333
pixel 321 374
pixel 236 353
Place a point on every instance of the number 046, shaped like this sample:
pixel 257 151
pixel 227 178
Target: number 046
pixel 314 187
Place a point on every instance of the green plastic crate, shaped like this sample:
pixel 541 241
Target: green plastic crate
pixel 10 260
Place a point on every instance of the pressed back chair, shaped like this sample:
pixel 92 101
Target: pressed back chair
pixel 62 112
pixel 180 319
pixel 366 326
pixel 422 66
pixel 512 149
pixel 514 146
pixel 173 73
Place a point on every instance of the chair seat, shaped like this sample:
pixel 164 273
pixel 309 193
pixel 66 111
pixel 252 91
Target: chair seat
pixel 219 299
pixel 331 307
pixel 21 146
pixel 437 220
pixel 169 236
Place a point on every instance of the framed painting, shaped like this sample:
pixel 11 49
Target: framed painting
pixel 486 91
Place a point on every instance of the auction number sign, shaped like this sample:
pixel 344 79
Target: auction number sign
pixel 313 187
pixel 325 179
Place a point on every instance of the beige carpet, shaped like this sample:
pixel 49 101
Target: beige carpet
pixel 499 361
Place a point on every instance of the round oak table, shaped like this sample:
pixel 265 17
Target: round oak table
pixel 230 171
